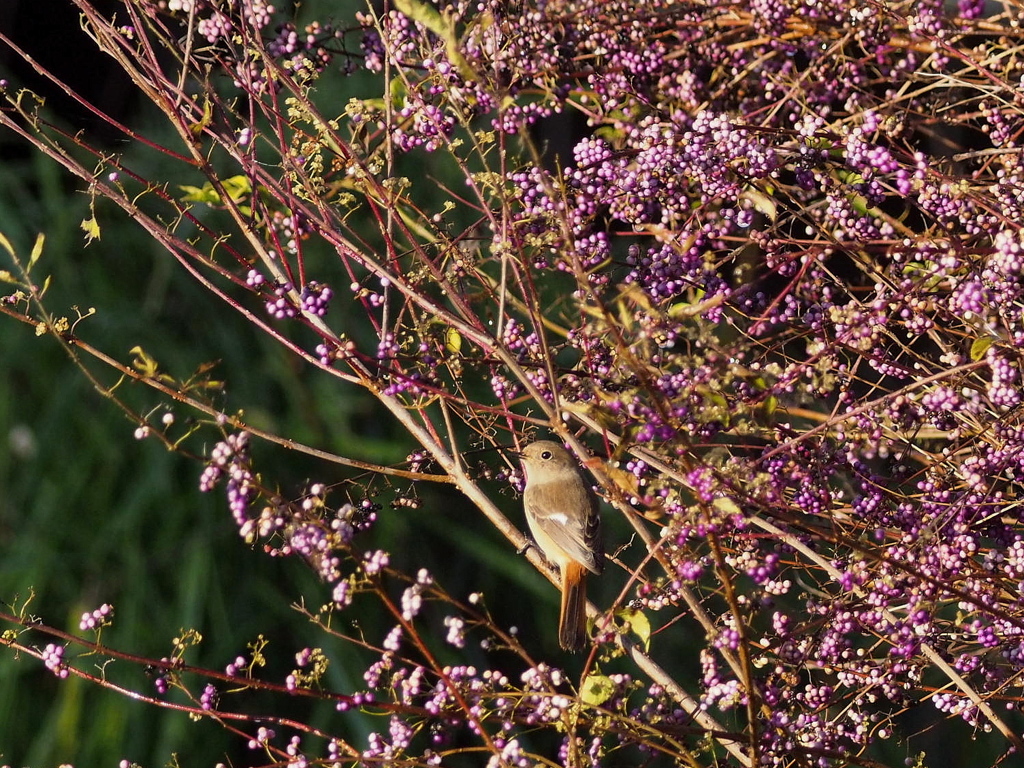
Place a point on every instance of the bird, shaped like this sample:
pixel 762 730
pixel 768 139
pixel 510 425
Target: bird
pixel 561 511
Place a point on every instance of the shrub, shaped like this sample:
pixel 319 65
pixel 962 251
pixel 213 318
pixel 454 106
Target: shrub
pixel 770 296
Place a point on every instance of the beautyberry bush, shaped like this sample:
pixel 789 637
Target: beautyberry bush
pixel 770 292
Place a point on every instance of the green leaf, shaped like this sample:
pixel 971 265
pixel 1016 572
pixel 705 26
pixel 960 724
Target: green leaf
pixel 236 187
pixel 204 194
pixel 441 25
pixel 425 14
pixel 398 93
pixel 596 690
pixel 980 347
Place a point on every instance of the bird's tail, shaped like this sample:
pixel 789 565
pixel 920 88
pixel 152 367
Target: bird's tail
pixel 572 623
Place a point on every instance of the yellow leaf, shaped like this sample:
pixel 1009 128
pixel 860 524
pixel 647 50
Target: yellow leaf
pixel 637 623
pixel 91 227
pixel 6 244
pixel 626 481
pixel 727 505
pixel 197 128
pixel 980 347
pixel 453 341
pixel 37 251
pixel 143 363
pixel 762 203
pixel 684 310
pixel 596 690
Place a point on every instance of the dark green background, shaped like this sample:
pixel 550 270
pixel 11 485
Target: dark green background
pixel 89 515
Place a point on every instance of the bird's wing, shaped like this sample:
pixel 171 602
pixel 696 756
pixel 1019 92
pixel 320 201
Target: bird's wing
pixel 579 536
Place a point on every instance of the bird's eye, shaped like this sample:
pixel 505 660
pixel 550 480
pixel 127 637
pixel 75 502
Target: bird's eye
pixel 546 455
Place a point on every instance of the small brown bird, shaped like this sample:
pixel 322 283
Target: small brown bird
pixel 561 510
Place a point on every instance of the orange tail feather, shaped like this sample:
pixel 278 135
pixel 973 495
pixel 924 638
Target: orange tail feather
pixel 572 623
